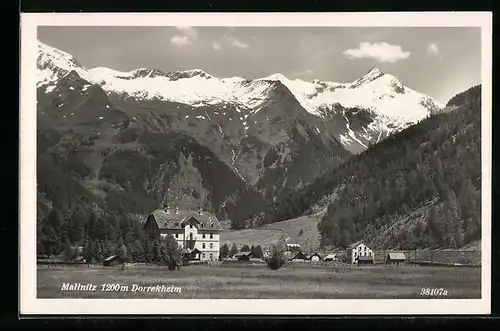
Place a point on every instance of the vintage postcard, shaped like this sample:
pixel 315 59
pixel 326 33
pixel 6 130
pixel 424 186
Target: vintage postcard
pixel 295 164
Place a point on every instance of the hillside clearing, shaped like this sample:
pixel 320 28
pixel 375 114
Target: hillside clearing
pixel 270 233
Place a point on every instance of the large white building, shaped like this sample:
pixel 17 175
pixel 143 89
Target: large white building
pixel 357 249
pixel 196 232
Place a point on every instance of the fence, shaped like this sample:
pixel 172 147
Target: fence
pixel 433 256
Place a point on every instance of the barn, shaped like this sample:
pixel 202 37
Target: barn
pixel 395 258
pixel 366 259
pixel 113 260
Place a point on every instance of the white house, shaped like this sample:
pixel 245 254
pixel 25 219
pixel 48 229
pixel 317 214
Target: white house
pixel 356 250
pixel 196 232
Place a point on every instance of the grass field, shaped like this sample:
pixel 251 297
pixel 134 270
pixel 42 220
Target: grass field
pixel 249 282
pixel 270 233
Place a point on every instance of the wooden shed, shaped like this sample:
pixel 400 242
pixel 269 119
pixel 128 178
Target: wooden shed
pixel 243 257
pixel 395 258
pixel 113 260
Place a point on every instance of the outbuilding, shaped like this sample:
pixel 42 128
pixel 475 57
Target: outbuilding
pixel 330 257
pixel 395 258
pixel 367 259
pixel 243 257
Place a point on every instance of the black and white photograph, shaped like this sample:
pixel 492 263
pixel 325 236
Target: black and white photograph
pixel 339 163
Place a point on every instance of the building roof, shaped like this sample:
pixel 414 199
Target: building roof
pixel 330 256
pixel 396 256
pixel 300 255
pixel 177 220
pixel 365 258
pixel 240 254
pixel 111 257
pixel 356 244
pixel 309 256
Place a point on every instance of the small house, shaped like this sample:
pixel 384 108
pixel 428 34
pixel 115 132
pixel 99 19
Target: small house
pixel 314 257
pixel 330 257
pixel 395 258
pixel 299 257
pixel 293 247
pixel 356 250
pixel 113 260
pixel 243 257
pixel 365 260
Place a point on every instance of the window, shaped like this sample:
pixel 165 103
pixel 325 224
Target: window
pixel 191 236
pixel 176 235
pixel 203 236
pixel 211 236
pixel 211 245
pixel 211 256
pixel 203 245
pixel 190 226
pixel 203 255
pixel 176 224
pixel 212 225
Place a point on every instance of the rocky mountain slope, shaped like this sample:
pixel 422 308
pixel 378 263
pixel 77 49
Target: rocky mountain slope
pixel 419 188
pixel 134 134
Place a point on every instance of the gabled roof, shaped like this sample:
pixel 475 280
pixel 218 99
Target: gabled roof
pixel 177 220
pixel 356 244
pixel 309 256
pixel 396 256
pixel 330 256
pixel 299 255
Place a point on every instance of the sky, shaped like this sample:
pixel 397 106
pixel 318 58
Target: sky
pixel 439 62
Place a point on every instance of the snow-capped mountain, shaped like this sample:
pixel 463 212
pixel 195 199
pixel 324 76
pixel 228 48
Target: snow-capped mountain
pixel 275 133
pixel 378 100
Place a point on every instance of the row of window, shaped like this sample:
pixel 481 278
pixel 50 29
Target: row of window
pixel 191 236
pixel 211 256
pixel 362 254
pixel 203 245
pixel 191 225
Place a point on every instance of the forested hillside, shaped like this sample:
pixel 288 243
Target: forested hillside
pixel 436 163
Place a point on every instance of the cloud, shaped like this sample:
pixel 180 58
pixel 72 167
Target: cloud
pixel 216 46
pixel 188 31
pixel 235 42
pixel 433 49
pixel 188 34
pixel 382 52
pixel 180 41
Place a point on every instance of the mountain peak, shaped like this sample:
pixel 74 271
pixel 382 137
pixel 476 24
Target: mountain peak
pixel 374 71
pixel 370 76
pixel 275 76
